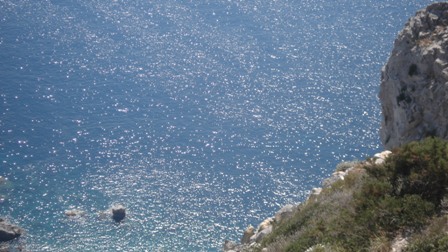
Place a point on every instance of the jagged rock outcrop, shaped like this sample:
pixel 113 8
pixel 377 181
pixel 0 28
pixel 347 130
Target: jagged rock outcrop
pixel 414 82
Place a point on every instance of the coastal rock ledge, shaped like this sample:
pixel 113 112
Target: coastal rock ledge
pixel 414 82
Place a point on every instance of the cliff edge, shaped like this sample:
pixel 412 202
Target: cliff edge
pixel 396 200
pixel 414 82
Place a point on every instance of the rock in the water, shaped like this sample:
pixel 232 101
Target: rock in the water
pixel 74 213
pixel 8 231
pixel 414 82
pixel 118 213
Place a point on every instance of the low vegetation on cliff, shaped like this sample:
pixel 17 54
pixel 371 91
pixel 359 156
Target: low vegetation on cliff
pixel 400 203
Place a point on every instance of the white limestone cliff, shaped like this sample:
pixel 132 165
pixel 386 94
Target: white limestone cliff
pixel 414 82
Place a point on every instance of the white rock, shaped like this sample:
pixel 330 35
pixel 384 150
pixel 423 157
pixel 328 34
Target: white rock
pixel 316 191
pixel 318 247
pixel 263 229
pixel 263 233
pixel 265 224
pixel 335 177
pixel 379 161
pixel 379 158
pixel 383 154
pixel 399 244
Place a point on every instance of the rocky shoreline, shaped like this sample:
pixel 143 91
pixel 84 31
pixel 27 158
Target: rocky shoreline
pixel 252 237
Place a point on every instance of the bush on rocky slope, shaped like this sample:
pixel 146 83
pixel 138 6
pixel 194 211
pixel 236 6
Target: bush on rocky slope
pixel 406 196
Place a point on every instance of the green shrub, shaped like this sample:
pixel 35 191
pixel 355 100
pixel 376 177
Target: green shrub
pixel 421 168
pixel 308 239
pixel 381 211
pixel 380 243
pixel 409 211
pixel 343 166
pixel 435 243
pixel 433 238
pixel 366 210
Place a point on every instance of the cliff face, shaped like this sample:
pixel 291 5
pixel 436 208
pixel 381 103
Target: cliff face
pixel 414 82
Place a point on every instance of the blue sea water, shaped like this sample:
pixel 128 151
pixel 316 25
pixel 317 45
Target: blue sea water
pixel 201 117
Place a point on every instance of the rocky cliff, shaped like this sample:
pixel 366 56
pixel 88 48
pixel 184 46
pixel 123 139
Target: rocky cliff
pixel 414 82
pixel 394 201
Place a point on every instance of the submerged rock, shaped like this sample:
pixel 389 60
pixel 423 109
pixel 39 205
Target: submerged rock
pixel 414 82
pixel 74 213
pixel 118 212
pixel 8 231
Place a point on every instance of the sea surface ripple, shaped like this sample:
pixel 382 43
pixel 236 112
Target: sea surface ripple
pixel 201 117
